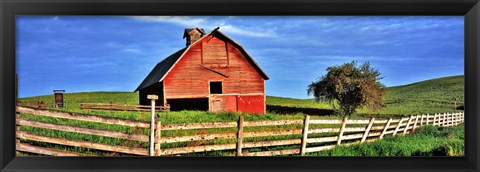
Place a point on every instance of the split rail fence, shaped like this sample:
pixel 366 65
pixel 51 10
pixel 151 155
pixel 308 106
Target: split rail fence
pixel 313 136
pixel 121 107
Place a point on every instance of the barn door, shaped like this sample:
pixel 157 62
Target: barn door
pixel 215 104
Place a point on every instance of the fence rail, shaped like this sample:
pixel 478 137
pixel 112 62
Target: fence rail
pixel 121 107
pixel 311 137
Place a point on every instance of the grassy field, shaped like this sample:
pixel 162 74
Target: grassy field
pixel 424 97
pixel 426 141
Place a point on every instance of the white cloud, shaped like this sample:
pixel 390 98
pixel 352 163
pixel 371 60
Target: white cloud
pixel 181 20
pixel 191 22
pixel 131 50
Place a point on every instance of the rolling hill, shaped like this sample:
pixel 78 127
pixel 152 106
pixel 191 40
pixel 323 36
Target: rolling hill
pixel 430 96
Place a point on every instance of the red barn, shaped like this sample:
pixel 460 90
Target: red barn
pixel 213 72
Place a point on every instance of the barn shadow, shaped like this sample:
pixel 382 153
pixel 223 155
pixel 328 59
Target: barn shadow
pixel 293 110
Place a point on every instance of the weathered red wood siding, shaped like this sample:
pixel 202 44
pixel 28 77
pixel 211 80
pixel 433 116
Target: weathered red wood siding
pixel 251 104
pixel 188 79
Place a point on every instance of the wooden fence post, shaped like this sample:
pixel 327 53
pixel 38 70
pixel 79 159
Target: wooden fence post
pixel 17 129
pixel 398 126
pixel 435 119
pixel 158 138
pixel 305 135
pixel 385 128
pixel 415 124
pixel 444 122
pixel 240 136
pixel 152 122
pixel 421 120
pixel 428 118
pixel 456 119
pixel 340 135
pixel 408 124
pixel 365 135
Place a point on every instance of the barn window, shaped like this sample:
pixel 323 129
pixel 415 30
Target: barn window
pixel 215 87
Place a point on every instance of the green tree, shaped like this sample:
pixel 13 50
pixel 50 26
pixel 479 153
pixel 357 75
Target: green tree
pixel 350 85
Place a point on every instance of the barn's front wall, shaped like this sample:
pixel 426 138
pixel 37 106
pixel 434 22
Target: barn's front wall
pixel 242 86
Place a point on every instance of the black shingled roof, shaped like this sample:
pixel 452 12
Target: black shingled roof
pixel 160 69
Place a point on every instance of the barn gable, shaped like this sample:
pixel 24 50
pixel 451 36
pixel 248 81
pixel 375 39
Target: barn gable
pixel 162 69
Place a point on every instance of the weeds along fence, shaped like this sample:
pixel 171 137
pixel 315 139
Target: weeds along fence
pixel 121 107
pixel 307 135
pixel 35 104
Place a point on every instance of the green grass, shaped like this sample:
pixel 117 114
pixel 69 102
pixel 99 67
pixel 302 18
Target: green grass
pixel 426 141
pixel 431 96
pixel 424 97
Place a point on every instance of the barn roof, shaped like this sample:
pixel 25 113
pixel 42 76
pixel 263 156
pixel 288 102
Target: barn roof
pixel 161 69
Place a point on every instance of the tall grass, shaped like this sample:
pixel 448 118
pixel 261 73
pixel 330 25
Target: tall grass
pixel 426 141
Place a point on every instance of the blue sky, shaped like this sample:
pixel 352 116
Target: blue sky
pixel 115 53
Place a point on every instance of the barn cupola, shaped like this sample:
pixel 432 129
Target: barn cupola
pixel 192 35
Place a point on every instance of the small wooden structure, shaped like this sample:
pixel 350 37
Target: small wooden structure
pixel 58 98
pixel 212 73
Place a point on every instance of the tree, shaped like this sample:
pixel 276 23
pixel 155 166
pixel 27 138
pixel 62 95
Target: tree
pixel 351 86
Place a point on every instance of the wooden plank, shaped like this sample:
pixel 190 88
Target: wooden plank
pixel 396 120
pixel 358 121
pixel 365 135
pixel 354 129
pixel 372 134
pixel 240 136
pixel 189 138
pixel 344 123
pixel 104 133
pixel 378 127
pixel 193 149
pixel 428 119
pixel 158 138
pixel 415 124
pixel 267 123
pixel 421 120
pixel 322 139
pixel 320 148
pixel 322 121
pixel 122 105
pixel 398 126
pixel 352 136
pixel 385 128
pixel 115 109
pixel 305 135
pixel 203 125
pixel 45 151
pixel 274 153
pixel 272 133
pixel 271 143
pixel 381 121
pixel 435 120
pixel 323 130
pixel 444 122
pixel 98 146
pixel 83 117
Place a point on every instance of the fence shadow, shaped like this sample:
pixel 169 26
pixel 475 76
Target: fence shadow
pixel 292 110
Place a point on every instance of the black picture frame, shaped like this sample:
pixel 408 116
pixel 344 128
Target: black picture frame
pixel 11 8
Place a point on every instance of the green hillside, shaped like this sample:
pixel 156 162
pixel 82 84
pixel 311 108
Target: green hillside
pixel 431 96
